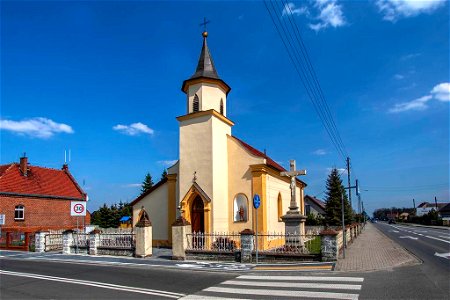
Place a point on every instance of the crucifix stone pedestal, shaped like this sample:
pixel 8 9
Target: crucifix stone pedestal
pixel 293 218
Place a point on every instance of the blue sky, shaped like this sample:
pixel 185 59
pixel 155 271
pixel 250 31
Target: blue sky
pixel 78 75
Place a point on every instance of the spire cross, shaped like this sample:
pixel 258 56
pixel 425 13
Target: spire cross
pixel 292 173
pixel 204 24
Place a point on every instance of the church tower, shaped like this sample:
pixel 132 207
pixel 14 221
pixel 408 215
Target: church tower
pixel 203 164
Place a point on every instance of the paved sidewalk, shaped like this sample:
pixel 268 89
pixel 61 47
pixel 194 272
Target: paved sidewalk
pixel 372 250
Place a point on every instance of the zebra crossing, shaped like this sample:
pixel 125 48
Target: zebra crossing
pixel 283 287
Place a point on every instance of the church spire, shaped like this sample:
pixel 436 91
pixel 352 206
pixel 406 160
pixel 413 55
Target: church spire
pixel 205 66
pixel 206 70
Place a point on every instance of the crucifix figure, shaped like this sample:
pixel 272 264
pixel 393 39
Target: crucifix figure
pixel 292 173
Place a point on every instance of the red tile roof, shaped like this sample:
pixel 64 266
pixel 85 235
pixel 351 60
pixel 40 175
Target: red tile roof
pixel 270 162
pixel 39 181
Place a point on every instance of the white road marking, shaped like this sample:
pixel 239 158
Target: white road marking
pixel 103 285
pixel 194 297
pixel 445 236
pixel 310 285
pixel 444 255
pixel 408 237
pixel 303 278
pixel 427 236
pixel 282 293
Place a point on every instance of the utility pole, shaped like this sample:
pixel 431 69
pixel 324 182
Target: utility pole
pixel 348 177
pixel 414 204
pixel 435 202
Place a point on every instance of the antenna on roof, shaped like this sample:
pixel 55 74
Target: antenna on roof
pixel 65 156
pixel 69 155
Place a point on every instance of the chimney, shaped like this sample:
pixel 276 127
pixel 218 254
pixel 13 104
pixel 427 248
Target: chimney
pixel 24 164
pixel 65 167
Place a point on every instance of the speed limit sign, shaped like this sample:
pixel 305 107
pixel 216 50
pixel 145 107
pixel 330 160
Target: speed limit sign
pixel 78 208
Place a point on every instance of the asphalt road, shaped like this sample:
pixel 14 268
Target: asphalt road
pixel 430 245
pixel 57 280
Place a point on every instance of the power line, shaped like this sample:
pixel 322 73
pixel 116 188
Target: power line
pixel 292 41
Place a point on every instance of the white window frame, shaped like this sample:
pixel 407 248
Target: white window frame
pixel 19 209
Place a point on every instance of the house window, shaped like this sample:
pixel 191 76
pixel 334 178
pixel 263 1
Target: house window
pixel 280 207
pixel 240 208
pixel 221 106
pixel 195 104
pixel 19 212
pixel 308 209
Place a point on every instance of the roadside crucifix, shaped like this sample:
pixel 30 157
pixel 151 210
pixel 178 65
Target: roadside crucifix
pixel 292 173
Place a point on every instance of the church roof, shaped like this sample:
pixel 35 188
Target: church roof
pixel 270 162
pixel 205 67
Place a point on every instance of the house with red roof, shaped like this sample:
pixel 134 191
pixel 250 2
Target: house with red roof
pixel 36 198
pixel 213 182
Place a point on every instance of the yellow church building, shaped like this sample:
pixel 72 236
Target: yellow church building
pixel 213 182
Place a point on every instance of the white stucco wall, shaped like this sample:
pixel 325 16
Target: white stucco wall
pixel 209 97
pixel 276 186
pixel 156 206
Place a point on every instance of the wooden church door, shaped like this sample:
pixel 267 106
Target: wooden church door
pixel 198 216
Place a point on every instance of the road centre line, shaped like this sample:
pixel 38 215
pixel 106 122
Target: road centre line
pixel 282 293
pixel 302 278
pixel 427 236
pixel 103 285
pixel 310 285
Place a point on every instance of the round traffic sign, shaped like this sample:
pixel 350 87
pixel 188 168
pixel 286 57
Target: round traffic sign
pixel 78 208
pixel 256 201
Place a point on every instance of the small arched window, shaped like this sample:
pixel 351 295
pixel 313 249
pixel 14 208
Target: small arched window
pixel 19 212
pixel 240 208
pixel 221 106
pixel 280 207
pixel 195 104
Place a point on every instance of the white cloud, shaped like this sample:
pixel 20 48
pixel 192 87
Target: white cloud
pixel 134 129
pixel 320 152
pixel 416 104
pixel 409 56
pixel 330 15
pixel 167 163
pixel 396 9
pixel 399 76
pixel 341 171
pixel 291 9
pixel 132 185
pixel 440 92
pixel 36 127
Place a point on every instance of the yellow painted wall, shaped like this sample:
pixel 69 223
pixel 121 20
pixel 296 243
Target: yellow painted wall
pixel 274 187
pixel 156 206
pixel 240 181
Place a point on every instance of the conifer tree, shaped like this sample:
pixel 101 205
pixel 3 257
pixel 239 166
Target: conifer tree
pixel 335 190
pixel 147 183
pixel 164 174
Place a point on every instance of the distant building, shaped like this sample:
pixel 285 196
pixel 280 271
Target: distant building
pixel 445 214
pixel 425 207
pixel 36 198
pixel 314 206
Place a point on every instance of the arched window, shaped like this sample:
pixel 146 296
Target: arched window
pixel 19 212
pixel 221 106
pixel 240 208
pixel 280 207
pixel 195 104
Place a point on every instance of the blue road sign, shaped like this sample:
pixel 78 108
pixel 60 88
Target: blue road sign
pixel 256 201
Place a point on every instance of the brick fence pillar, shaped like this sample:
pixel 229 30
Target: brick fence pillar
pixel 39 241
pixel 94 241
pixel 144 238
pixel 329 245
pixel 67 241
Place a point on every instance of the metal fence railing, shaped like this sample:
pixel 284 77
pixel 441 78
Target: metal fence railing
pixel 218 242
pixel 280 243
pixel 123 241
pixel 53 242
